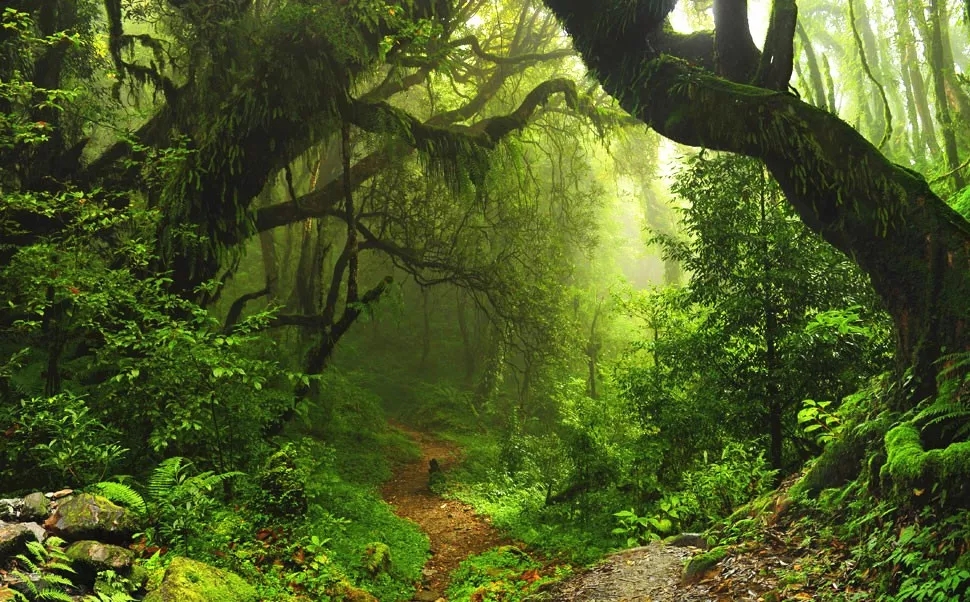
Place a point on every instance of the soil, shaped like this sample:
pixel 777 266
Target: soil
pixel 454 529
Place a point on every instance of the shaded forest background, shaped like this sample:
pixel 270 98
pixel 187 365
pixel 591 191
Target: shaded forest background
pixel 247 234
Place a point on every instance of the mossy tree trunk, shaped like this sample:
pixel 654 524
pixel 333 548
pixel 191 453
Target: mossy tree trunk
pixel 915 248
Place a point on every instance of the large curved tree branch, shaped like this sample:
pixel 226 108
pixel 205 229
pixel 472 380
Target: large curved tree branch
pixel 381 117
pixel 913 246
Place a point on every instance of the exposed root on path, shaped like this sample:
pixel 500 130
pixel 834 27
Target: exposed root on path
pixel 455 531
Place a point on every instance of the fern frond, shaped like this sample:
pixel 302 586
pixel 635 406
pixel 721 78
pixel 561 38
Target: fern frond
pixel 166 476
pixel 55 579
pixel 208 480
pixel 25 580
pixel 941 412
pixel 28 563
pixel 55 595
pixel 122 494
pixel 37 549
pixel 64 567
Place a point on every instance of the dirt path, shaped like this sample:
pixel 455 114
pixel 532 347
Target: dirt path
pixel 454 529
pixel 651 573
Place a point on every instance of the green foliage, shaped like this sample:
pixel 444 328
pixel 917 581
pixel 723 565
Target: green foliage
pixel 642 529
pixel 282 485
pixel 61 435
pixel 709 493
pixel 817 419
pixel 121 494
pixel 50 563
pixel 716 489
pixel 181 502
pixel 505 573
pixel 112 587
pixel 772 315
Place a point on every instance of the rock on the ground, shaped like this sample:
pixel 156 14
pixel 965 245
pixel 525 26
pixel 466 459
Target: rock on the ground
pixel 188 580
pixel 13 539
pixel 100 556
pixel 10 508
pixel 40 534
pixel 688 540
pixel 87 516
pixel 347 592
pixel 35 507
pixel 702 563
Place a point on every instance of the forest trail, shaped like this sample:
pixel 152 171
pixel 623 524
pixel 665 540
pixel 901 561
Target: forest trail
pixel 454 529
pixel 651 573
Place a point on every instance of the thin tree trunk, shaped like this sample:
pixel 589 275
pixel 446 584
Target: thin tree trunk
pixel 814 74
pixel 937 67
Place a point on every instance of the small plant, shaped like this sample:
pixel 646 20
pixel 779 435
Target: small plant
pixel 817 419
pixel 643 529
pixel 503 573
pixel 111 587
pixel 377 558
pixel 121 494
pixel 49 560
pixel 181 501
pixel 315 573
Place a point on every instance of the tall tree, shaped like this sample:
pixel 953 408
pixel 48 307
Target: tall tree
pixel 913 246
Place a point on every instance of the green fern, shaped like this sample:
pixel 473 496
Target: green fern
pixel 55 595
pixel 946 415
pixel 122 494
pixel 949 411
pixel 171 479
pixel 45 558
pixel 181 501
pixel 166 475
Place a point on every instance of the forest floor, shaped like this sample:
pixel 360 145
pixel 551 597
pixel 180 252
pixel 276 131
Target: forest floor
pixel 651 573
pixel 454 529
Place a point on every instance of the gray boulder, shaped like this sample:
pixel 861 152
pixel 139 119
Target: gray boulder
pixel 35 507
pixel 13 540
pixel 10 509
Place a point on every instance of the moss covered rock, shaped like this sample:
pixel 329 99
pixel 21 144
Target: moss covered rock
pixel 344 590
pixel 35 507
pixel 100 556
pixel 87 516
pixel 188 580
pixel 688 540
pixel 699 565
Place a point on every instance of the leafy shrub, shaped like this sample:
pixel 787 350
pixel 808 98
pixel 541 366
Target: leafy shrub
pixel 181 503
pixel 716 489
pixel 505 573
pixel 60 434
pixel 282 485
